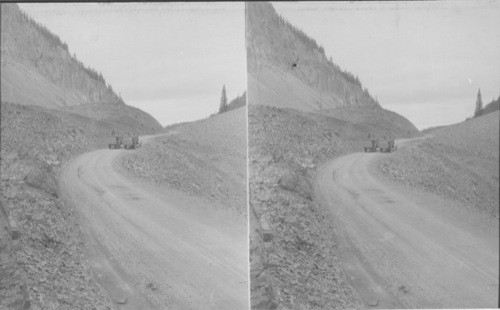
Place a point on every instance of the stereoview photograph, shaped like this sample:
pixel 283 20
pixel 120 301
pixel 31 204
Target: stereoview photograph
pixel 232 155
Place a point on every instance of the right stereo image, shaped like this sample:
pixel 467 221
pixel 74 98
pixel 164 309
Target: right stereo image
pixel 373 154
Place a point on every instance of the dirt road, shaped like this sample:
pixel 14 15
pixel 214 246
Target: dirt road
pixel 407 248
pixel 154 248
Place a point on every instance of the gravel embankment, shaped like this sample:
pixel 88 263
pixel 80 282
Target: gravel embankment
pixel 206 158
pixel 460 162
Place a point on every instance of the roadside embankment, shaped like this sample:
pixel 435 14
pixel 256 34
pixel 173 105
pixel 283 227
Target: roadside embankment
pixel 205 158
pixel 458 161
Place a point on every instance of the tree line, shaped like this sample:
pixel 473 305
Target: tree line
pixel 53 39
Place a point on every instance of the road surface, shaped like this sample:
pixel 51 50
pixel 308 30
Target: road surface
pixel 404 248
pixel 154 248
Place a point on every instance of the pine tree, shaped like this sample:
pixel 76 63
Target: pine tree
pixel 479 105
pixel 223 100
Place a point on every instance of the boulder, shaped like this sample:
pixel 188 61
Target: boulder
pixel 41 178
pixel 296 182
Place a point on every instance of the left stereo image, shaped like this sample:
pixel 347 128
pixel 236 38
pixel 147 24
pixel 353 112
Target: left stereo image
pixel 123 156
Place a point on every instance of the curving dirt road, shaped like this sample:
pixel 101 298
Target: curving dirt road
pixel 408 248
pixel 154 248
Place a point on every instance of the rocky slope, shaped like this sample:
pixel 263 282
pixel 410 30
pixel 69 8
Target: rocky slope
pixel 44 266
pixel 206 158
pixel 458 161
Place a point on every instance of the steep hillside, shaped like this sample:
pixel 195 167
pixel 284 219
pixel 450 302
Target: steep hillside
pixel 301 76
pixel 459 161
pixel 288 69
pixel 38 69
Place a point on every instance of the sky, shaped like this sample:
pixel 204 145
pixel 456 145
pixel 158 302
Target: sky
pixel 423 60
pixel 168 59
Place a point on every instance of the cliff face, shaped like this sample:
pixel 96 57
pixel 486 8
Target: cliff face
pixel 36 67
pixel 288 69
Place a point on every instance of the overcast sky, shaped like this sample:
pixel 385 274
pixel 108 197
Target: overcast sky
pixel 424 60
pixel 168 59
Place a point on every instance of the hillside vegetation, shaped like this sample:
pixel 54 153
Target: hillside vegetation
pixel 493 106
pixel 459 161
pixel 238 102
